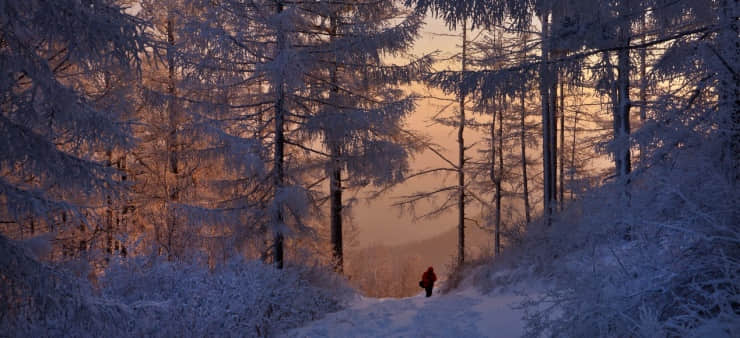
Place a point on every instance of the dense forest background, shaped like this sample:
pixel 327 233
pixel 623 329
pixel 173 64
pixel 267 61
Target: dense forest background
pixel 159 158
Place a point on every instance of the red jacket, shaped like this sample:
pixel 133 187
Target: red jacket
pixel 428 278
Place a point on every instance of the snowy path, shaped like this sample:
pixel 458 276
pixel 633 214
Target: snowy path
pixel 462 314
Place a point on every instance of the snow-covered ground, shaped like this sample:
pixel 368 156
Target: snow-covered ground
pixel 465 313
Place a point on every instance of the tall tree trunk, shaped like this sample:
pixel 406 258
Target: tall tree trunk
pixel 546 120
pixel 729 90
pixel 623 104
pixel 555 74
pixel 643 81
pixel 172 119
pixel 523 139
pixel 109 210
pixel 493 175
pixel 561 154
pixel 336 214
pixel 500 175
pixel 573 152
pixel 461 156
pixel 335 185
pixel 124 217
pixel 279 156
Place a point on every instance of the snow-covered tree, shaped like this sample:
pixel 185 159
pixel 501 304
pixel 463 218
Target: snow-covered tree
pixel 358 105
pixel 55 129
pixel 320 70
pixel 266 51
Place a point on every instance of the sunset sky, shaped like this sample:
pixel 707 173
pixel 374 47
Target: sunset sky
pixel 378 221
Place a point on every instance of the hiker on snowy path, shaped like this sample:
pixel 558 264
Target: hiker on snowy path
pixel 427 281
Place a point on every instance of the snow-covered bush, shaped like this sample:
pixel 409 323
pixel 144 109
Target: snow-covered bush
pixel 148 296
pixel 37 300
pixel 240 298
pixel 664 263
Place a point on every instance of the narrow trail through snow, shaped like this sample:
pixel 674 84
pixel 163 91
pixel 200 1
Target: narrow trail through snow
pixel 461 314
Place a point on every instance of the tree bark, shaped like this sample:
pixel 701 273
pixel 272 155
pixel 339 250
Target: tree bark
pixel 172 119
pixel 561 153
pixel 623 104
pixel 108 211
pixel 278 157
pixel 523 139
pixel 554 73
pixel 335 185
pixel 546 120
pixel 729 90
pixel 573 152
pixel 461 157
pixel 336 216
pixel 124 213
pixel 643 82
pixel 500 175
pixel 493 176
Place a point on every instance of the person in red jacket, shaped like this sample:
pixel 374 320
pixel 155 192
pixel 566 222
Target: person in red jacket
pixel 427 281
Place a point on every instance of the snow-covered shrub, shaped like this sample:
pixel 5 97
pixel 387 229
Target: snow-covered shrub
pixel 666 262
pixel 240 298
pixel 148 296
pixel 37 300
pixel 460 275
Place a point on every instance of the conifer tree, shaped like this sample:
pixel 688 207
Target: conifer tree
pixel 54 131
pixel 358 108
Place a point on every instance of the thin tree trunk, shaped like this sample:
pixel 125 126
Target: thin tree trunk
pixel 171 109
pixel 124 217
pixel 546 121
pixel 573 152
pixel 335 185
pixel 493 175
pixel 278 175
pixel 622 108
pixel 500 175
pixel 461 157
pixel 643 81
pixel 554 73
pixel 109 211
pixel 336 214
pixel 172 118
pixel 82 245
pixel 523 138
pixel 729 90
pixel 562 147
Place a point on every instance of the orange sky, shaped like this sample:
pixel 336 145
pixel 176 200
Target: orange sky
pixel 378 221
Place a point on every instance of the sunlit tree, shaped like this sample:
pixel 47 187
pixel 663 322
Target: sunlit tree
pixel 63 109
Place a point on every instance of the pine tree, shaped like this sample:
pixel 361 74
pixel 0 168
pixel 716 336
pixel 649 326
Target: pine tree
pixel 253 49
pixel 54 131
pixel 360 119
